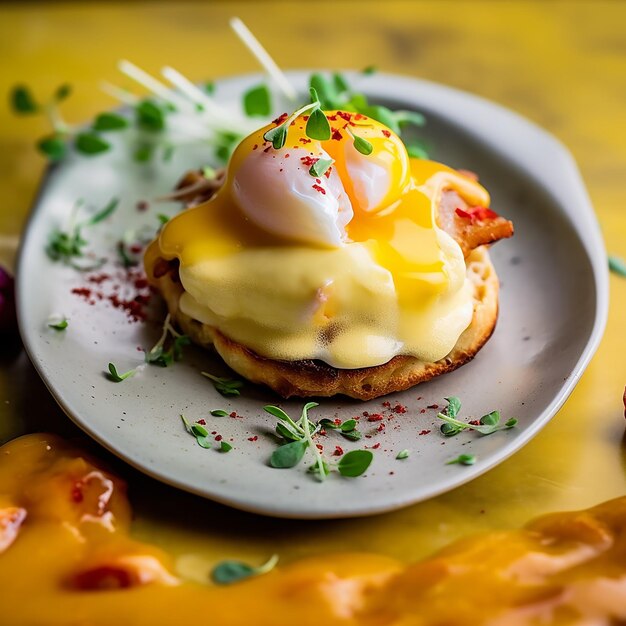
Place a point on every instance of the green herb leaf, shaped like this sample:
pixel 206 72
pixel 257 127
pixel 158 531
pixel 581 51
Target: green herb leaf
pixel 163 219
pixel 510 423
pixel 355 463
pixel 410 117
pixel 277 135
pixel 186 423
pixel 108 210
pixel 225 386
pixel 491 419
pixel 454 406
pixel 325 92
pixel 225 446
pixel 199 431
pixel 62 92
pixel 369 70
pixel 320 167
pixel 329 424
pixel 118 378
pixel 289 455
pixel 348 426
pixel 228 572
pixel 90 143
pixel 403 454
pixel 617 266
pixel 144 153
pixel 150 116
pixel 54 147
pixel 219 413
pixel 204 442
pixel 277 412
pixel 23 101
pixel 257 101
pixel 109 121
pixel 353 435
pixel 361 145
pixel 463 459
pixel 340 83
pixel 317 126
pixel 225 143
pixel 209 87
pixel 288 432
pixel 60 325
pixel 383 115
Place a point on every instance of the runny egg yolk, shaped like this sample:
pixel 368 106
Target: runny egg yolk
pixel 347 265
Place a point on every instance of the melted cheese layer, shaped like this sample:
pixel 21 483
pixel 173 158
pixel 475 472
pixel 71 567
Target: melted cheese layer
pixel 396 285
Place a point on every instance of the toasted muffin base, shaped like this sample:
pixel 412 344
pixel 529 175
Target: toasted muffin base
pixel 315 378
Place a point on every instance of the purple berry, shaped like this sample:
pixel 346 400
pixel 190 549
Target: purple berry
pixel 8 319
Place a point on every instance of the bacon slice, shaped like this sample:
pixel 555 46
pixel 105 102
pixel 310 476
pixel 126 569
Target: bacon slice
pixel 471 226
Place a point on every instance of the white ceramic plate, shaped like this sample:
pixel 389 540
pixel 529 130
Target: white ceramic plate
pixel 552 313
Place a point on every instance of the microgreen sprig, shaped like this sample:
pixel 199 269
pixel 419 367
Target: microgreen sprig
pixel 68 244
pixel 225 386
pixel 299 437
pixel 198 431
pixel 463 459
pixel 116 377
pixel 58 323
pixel 228 572
pixel 361 144
pixel 158 355
pixel 488 424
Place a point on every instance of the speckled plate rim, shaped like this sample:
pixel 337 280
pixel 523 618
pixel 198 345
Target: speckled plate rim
pixel 483 120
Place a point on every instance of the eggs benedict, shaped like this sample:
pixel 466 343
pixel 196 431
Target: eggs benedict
pixel 330 262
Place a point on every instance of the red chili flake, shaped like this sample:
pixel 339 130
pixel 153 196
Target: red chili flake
pixel 268 148
pixel 136 248
pixel 344 115
pixel 338 451
pixel 319 446
pixel 375 417
pixel 287 155
pixel 305 117
pixel 234 414
pixel 323 433
pixel 214 432
pixel 360 116
pixel 318 181
pixel 319 188
pixel 328 172
pixel 381 427
pixel 304 140
pixel 142 205
pixel 218 437
pixel 332 118
pixel 281 169
pixel 476 213
pixel 337 136
pixel 432 406
pixel 376 446
pixel 308 161
pixel 337 421
pixel 77 493
pixel 387 404
pixel 399 408
pixel 419 397
pixel 424 432
pixel 422 410
pixel 281 119
pixel 366 413
pixel 387 133
pixel 202 422
pixel 475 422
pixel 255 438
pixel 85 292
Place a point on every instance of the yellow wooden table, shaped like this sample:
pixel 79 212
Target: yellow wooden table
pixel 562 64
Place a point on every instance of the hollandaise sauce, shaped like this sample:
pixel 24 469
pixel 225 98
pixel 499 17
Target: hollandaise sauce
pixel 348 266
pixel 67 557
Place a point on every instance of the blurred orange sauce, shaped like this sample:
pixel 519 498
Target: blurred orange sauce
pixel 66 557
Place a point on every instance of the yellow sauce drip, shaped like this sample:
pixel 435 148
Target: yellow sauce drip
pixel 66 557
pixel 396 277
